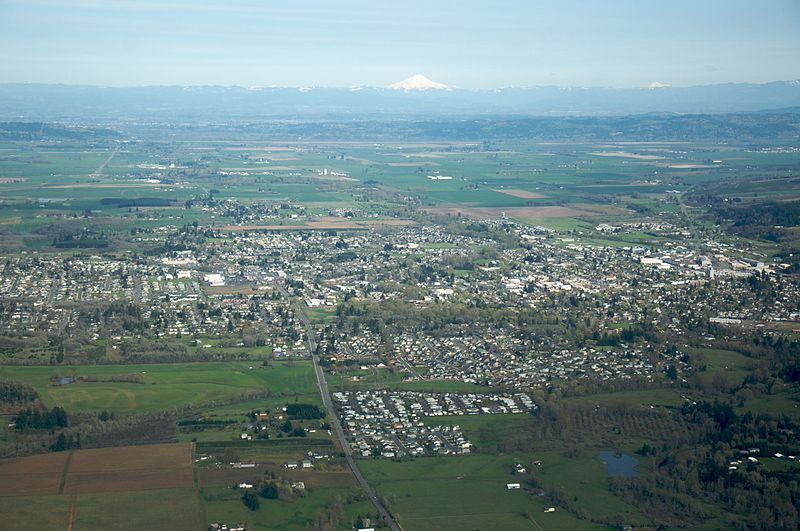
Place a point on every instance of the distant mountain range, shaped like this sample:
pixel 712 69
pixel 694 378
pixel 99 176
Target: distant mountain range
pixel 414 98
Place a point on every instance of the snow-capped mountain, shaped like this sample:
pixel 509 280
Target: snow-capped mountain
pixel 418 82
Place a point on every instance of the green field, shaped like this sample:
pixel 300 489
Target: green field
pixel 468 492
pixel 133 510
pixel 165 385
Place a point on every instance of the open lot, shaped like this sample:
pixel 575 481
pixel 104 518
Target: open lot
pixel 36 474
pixel 513 212
pixel 164 385
pixel 98 470
pixel 154 466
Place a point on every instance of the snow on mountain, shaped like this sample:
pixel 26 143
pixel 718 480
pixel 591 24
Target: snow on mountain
pixel 418 82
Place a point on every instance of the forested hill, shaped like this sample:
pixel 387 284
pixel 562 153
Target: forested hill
pixel 49 131
pixel 40 102
pixel 745 128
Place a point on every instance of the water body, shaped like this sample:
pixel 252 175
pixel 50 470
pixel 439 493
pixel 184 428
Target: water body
pixel 619 464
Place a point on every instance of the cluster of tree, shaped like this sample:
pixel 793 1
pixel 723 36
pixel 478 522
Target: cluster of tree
pixel 64 442
pixel 304 411
pixel 14 392
pixel 120 202
pixel 629 334
pixel 609 425
pixel 81 240
pixel 292 431
pixel 34 419
pixel 273 488
pixel 329 518
pixel 143 349
pixel 250 500
pixel 762 219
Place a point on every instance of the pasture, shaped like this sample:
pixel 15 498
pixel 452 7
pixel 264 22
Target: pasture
pixel 133 487
pixel 463 492
pixel 164 386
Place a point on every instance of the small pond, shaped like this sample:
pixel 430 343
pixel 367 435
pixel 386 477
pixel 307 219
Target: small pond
pixel 619 464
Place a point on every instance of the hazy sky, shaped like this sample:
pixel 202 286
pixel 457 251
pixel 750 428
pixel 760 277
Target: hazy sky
pixel 467 43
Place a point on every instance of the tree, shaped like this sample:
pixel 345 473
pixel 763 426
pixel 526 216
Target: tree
pixel 250 501
pixel 60 444
pixel 269 491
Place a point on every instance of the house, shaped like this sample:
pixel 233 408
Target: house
pixel 513 486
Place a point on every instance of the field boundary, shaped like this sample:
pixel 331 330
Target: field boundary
pixel 62 482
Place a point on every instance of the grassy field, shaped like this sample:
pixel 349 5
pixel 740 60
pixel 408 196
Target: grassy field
pixel 142 509
pixel 464 492
pixel 165 385
pixel 225 505
pixel 449 492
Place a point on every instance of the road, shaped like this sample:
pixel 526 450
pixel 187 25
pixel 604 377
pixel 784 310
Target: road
pixel 99 171
pixel 334 417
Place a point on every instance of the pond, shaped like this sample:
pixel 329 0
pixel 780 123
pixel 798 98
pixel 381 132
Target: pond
pixel 619 464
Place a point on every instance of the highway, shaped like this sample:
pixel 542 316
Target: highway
pixel 334 418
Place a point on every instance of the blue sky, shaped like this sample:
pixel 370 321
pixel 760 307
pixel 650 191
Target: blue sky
pixel 466 43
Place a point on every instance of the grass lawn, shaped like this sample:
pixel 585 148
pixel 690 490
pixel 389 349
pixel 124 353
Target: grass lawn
pixel 485 431
pixel 462 492
pixel 144 509
pixel 225 505
pixel 165 385
pixel 35 512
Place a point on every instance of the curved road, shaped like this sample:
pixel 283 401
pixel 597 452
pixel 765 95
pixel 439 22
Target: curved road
pixel 337 425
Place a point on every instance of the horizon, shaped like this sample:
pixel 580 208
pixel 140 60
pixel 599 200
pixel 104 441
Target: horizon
pixel 578 44
pixel 256 88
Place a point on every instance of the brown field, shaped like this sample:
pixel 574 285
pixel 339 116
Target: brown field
pixel 428 155
pixel 603 209
pixel 691 166
pixel 410 164
pixel 107 185
pixel 516 192
pixel 255 170
pixel 510 212
pixel 324 224
pixel 130 468
pixel 273 156
pixel 5 180
pixel 334 178
pixel 626 155
pixel 256 148
pixel 36 474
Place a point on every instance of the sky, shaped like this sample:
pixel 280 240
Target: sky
pixel 464 43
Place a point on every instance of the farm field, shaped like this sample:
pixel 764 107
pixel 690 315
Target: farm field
pixel 163 385
pixel 98 470
pixel 555 184
pixel 224 505
pixel 462 493
pixel 125 488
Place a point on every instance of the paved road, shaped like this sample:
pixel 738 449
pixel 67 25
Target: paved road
pixel 337 425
